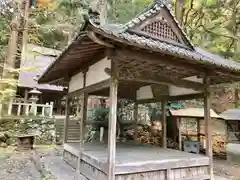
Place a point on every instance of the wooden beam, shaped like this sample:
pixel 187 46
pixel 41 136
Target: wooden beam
pixel 172 98
pixel 146 77
pixel 164 124
pixel 207 118
pixel 91 88
pixel 92 35
pixel 130 54
pixel 167 81
pixel 112 122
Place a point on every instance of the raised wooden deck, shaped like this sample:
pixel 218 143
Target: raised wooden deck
pixel 138 162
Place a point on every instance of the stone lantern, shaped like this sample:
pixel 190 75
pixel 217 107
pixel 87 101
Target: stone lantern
pixel 34 98
pixel 34 95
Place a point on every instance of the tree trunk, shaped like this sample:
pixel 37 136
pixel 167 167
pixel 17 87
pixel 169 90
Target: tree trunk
pixel 172 128
pixel 11 54
pixel 235 43
pixel 179 10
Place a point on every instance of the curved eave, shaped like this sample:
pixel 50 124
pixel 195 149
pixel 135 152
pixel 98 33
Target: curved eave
pixel 43 78
pixel 191 57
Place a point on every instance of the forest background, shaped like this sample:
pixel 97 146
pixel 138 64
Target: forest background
pixel 210 24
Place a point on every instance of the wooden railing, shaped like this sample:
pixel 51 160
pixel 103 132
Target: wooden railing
pixel 18 108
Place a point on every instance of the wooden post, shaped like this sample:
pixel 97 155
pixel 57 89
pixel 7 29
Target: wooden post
pixel 35 109
pixel 179 133
pixel 101 134
pixel 164 125
pixel 236 97
pixel 51 109
pixel 226 132
pixel 25 99
pixel 135 117
pixel 84 104
pixel 1 109
pixel 19 109
pixel 198 129
pixel 112 122
pixel 207 118
pixel 66 120
pixel 27 110
pixel 10 107
pixel 43 109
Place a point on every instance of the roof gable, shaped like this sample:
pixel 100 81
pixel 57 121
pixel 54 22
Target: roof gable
pixel 157 22
pixel 34 63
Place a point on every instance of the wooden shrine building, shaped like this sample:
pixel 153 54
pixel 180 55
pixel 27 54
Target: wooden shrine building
pixel 148 59
pixel 32 65
pixel 232 123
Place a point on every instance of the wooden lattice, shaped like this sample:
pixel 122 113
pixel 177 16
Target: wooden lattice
pixel 160 29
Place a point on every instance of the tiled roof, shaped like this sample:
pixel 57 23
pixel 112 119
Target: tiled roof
pixel 231 114
pixel 197 54
pixel 193 112
pixel 120 32
pixel 152 10
pixel 123 33
pixel 34 64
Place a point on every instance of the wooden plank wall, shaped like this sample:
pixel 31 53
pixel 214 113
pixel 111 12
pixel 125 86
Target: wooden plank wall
pixel 73 130
pixel 94 173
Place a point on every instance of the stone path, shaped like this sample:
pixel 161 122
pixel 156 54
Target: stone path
pixel 18 168
pixel 222 178
pixel 59 168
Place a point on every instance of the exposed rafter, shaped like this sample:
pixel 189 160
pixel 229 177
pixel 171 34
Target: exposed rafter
pixel 92 35
pixel 172 98
pixel 127 54
pixel 146 77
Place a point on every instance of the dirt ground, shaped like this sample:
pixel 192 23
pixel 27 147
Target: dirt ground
pixel 45 163
pixel 226 169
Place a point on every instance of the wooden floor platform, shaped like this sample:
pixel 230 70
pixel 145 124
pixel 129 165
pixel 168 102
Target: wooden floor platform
pixel 137 161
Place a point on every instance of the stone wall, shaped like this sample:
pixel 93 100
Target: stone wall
pixel 44 129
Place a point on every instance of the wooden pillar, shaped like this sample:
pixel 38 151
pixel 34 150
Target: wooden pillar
pixel 25 95
pixel 112 122
pixel 10 107
pixel 83 120
pixel 67 108
pixel 236 99
pixel 164 124
pixel 179 133
pixel 198 129
pixel 83 116
pixel 135 117
pixel 25 99
pixel 226 132
pixel 207 118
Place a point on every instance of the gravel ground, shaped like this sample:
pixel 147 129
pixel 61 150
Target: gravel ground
pixel 45 163
pixel 16 165
pixel 226 169
pixel 18 169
